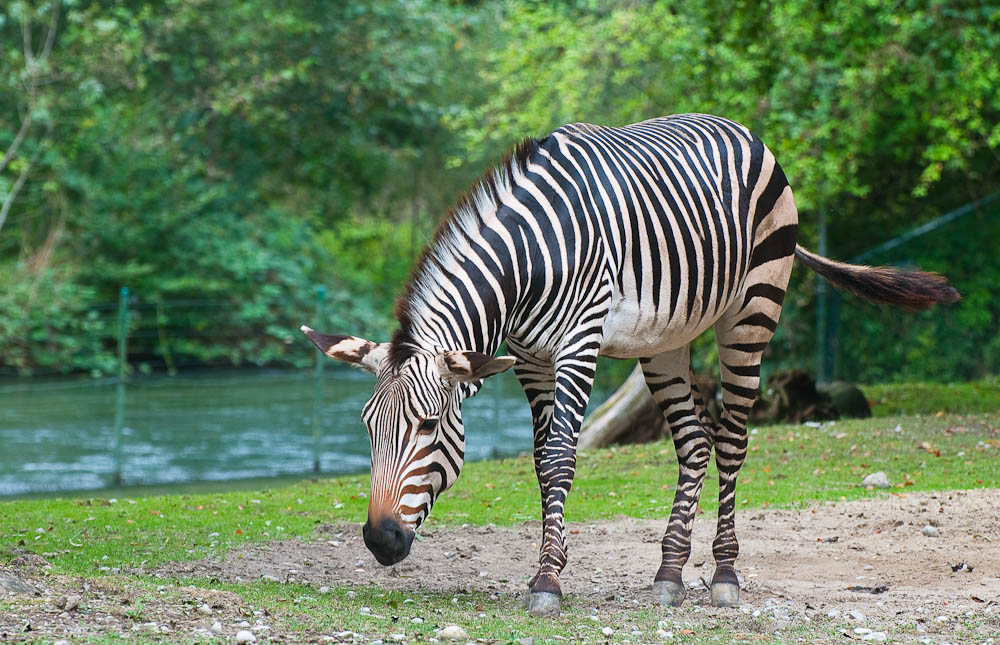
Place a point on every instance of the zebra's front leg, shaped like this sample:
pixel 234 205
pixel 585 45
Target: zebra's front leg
pixel 668 376
pixel 537 378
pixel 556 466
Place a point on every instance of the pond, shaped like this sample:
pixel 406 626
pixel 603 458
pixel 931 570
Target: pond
pixel 57 435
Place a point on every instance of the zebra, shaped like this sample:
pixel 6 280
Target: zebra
pixel 626 242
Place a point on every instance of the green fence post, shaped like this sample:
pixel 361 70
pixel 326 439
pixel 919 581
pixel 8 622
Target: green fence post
pixel 120 398
pixel 824 367
pixel 318 379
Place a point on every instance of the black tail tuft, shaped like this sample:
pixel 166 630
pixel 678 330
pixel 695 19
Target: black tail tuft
pixel 912 290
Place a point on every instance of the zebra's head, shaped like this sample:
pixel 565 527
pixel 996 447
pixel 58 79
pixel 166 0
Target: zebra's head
pixel 415 426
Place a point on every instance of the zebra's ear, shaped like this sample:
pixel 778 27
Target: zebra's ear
pixel 472 366
pixel 355 351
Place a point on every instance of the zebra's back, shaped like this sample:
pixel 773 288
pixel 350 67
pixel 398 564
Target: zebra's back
pixel 682 209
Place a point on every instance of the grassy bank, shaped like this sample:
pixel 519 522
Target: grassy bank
pixel 789 466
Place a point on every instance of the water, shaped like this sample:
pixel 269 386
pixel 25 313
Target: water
pixel 58 435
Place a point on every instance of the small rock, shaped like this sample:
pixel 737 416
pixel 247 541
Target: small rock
pixel 417 620
pixel 856 615
pixel 662 633
pixel 216 627
pixel 453 633
pixel 69 602
pixel 930 531
pixel 877 480
pixel 530 640
pixel 875 636
pixel 861 631
pixel 868 567
pixel 244 636
pixel 61 642
pixel 607 631
pixel 833 613
pixel 205 610
pixel 269 578
pixel 324 589
pixel 398 638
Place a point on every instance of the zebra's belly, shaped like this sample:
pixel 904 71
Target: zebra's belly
pixel 631 331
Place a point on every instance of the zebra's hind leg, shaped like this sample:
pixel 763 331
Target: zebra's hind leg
pixel 742 336
pixel 668 376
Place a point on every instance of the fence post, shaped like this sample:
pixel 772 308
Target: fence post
pixel 116 479
pixel 824 367
pixel 318 380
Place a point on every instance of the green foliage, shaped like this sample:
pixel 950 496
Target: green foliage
pixel 232 155
pixel 49 322
pixel 242 153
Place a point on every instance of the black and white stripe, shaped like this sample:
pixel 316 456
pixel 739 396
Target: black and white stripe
pixel 626 242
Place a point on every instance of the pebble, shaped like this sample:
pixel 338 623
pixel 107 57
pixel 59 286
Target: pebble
pixel 269 578
pixel 930 531
pixel 868 567
pixel 69 602
pixel 398 638
pixel 856 615
pixel 216 627
pixel 205 609
pixel 662 633
pixel 61 642
pixel 529 640
pixel 452 632
pixel 417 620
pixel 833 613
pixel 244 636
pixel 324 589
pixel 607 631
pixel 875 636
pixel 877 480
pixel 862 631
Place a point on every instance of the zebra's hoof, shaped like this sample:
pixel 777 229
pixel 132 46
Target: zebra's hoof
pixel 725 594
pixel 668 592
pixel 543 603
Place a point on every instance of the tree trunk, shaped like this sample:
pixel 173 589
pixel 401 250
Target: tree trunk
pixel 628 416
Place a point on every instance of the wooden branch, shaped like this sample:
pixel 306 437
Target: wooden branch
pixel 616 415
pixel 9 200
pixel 29 56
pixel 50 37
pixel 12 150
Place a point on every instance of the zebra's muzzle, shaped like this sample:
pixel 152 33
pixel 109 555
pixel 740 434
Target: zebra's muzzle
pixel 387 539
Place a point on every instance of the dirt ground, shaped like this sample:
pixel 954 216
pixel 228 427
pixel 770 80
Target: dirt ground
pixel 818 565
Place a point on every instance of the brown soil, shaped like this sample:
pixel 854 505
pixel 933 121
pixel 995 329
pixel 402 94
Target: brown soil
pixel 796 566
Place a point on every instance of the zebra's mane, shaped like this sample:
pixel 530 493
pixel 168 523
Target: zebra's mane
pixel 462 223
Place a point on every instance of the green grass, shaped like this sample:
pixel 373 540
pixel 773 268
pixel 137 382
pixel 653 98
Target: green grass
pixel 500 619
pixel 931 398
pixel 788 466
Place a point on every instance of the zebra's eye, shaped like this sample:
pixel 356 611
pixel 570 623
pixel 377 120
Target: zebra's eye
pixel 427 425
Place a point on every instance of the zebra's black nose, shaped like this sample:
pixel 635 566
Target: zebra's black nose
pixel 387 539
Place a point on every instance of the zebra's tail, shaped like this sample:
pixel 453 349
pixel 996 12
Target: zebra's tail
pixel 913 290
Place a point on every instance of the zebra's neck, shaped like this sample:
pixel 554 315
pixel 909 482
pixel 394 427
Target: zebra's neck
pixel 466 285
